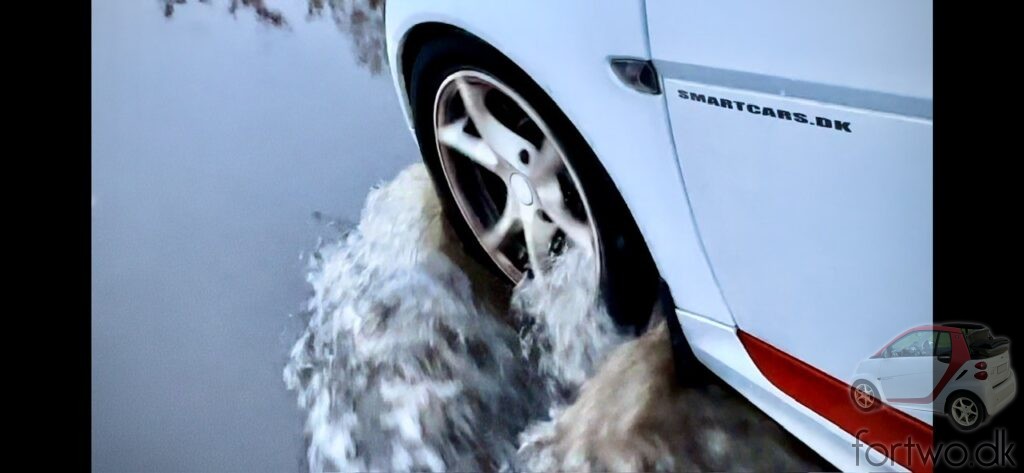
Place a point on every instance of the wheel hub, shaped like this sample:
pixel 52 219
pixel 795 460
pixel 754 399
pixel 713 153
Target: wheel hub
pixel 521 188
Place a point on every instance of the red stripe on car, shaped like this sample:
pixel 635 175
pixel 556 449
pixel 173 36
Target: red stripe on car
pixel 830 398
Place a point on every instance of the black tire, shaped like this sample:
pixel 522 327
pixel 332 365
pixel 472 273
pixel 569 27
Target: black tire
pixel 982 413
pixel 629 278
pixel 853 396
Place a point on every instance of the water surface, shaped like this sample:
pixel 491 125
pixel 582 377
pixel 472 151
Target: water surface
pixel 215 138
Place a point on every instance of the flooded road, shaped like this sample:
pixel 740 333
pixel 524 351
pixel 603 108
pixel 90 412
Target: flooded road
pixel 406 364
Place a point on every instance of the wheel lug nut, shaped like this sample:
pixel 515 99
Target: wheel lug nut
pixel 524 156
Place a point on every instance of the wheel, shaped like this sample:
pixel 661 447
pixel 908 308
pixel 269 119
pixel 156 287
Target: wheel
pixel 865 396
pixel 965 411
pixel 518 182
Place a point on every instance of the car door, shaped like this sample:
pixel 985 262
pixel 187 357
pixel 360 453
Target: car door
pixel 907 369
pixel 803 132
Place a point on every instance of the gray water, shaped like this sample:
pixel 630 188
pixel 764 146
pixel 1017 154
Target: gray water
pixel 215 138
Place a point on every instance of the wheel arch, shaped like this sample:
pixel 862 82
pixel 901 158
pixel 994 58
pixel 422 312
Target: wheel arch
pixel 560 52
pixel 953 395
pixel 866 380
pixel 630 298
pixel 407 46
pixel 874 385
pixel 423 33
pixel 418 36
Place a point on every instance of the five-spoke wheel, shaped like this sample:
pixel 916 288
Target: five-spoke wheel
pixel 965 410
pixel 864 395
pixel 508 175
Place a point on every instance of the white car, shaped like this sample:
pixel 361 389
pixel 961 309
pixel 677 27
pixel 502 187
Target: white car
pixel 770 162
pixel 957 369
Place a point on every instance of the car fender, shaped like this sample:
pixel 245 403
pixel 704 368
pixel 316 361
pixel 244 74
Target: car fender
pixel 627 130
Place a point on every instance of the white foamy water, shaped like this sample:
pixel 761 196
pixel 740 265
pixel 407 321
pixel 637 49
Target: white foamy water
pixel 614 423
pixel 402 366
pixel 565 331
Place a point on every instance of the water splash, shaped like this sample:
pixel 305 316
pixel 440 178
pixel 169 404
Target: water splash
pixel 609 426
pixel 565 331
pixel 400 368
pixel 405 365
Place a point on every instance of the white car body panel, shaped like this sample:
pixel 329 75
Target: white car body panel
pixel 910 377
pixel 866 45
pixel 814 234
pixel 627 130
pixel 814 240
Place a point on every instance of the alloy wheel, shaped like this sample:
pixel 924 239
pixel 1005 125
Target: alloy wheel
pixel 864 396
pixel 964 411
pixel 509 177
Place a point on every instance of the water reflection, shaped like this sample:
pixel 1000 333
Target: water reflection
pixel 361 20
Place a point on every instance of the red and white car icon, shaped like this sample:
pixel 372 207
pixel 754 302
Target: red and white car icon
pixel 958 369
